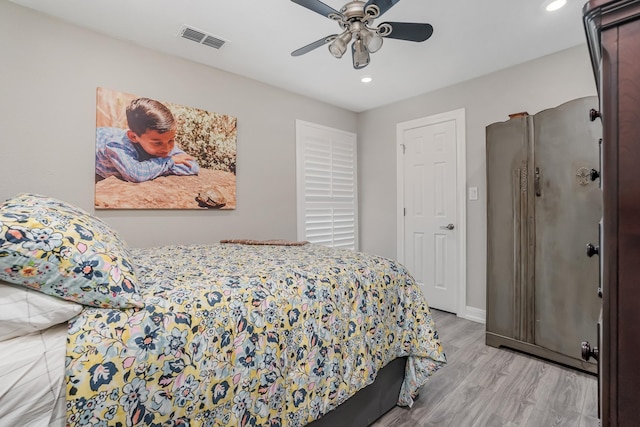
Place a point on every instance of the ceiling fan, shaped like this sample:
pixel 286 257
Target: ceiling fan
pixel 356 20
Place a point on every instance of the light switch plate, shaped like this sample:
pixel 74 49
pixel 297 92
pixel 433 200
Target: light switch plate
pixel 473 193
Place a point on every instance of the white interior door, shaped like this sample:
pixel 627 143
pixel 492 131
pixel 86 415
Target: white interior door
pixel 431 220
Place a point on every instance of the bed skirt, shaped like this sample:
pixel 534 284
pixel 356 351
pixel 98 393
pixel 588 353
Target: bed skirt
pixel 370 403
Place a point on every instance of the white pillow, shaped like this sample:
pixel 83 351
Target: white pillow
pixel 24 311
pixel 32 385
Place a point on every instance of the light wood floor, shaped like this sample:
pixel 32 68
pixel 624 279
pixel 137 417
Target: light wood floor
pixel 482 386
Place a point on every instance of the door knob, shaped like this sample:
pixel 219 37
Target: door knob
pixel 594 114
pixel 448 227
pixel 594 174
pixel 592 250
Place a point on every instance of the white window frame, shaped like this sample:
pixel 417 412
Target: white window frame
pixel 326 185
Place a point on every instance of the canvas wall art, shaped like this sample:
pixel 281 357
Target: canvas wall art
pixel 153 154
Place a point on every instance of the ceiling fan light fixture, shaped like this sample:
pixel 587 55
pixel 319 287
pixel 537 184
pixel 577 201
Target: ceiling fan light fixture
pixel 339 45
pixel 360 54
pixel 372 40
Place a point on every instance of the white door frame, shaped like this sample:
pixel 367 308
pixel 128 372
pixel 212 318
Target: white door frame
pixel 461 189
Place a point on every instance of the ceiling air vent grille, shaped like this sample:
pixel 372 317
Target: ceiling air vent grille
pixel 201 37
pixel 213 42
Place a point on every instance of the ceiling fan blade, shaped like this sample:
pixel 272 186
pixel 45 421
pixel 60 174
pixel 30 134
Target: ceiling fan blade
pixel 408 31
pixel 383 5
pixel 314 45
pixel 317 6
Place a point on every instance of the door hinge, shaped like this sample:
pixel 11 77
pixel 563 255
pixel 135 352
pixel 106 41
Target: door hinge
pixel 404 148
pixel 404 211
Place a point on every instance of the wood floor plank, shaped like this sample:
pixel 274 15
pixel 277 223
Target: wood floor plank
pixel 482 386
pixel 589 421
pixel 590 406
pixel 545 416
pixel 469 402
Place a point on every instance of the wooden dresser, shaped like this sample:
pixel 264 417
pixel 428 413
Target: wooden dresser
pixel 613 35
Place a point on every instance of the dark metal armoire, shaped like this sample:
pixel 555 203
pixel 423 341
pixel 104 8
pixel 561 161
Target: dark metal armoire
pixel 544 206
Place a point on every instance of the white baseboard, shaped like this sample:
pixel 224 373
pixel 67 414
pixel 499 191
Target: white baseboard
pixel 475 315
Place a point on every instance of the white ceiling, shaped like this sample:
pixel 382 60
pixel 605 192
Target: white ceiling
pixel 471 38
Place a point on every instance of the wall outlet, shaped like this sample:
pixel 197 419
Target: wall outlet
pixel 473 193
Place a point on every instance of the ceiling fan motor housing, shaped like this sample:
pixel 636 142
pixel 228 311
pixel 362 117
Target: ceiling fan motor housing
pixel 355 11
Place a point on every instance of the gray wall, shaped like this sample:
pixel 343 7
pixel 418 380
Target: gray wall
pixel 49 74
pixel 532 87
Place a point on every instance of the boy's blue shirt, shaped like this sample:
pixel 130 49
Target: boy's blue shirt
pixel 117 155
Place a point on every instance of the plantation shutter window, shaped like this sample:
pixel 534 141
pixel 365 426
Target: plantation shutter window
pixel 326 185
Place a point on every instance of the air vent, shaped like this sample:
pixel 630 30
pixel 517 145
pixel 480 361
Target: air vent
pixel 213 42
pixel 201 37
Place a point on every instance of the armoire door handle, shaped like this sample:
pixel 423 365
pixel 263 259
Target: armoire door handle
pixel 592 250
pixel 588 352
pixel 536 183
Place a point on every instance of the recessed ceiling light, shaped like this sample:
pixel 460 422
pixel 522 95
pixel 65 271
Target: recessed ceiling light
pixel 555 5
pixel 366 79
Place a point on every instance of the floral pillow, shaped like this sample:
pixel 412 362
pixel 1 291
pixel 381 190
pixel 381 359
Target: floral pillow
pixel 61 250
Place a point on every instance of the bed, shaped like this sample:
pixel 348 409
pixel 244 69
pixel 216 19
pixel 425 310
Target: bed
pixel 230 334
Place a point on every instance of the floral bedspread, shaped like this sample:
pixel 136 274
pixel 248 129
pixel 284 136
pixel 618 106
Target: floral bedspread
pixel 241 335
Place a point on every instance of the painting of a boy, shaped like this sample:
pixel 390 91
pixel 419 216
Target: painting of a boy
pixel 152 154
pixel 144 151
